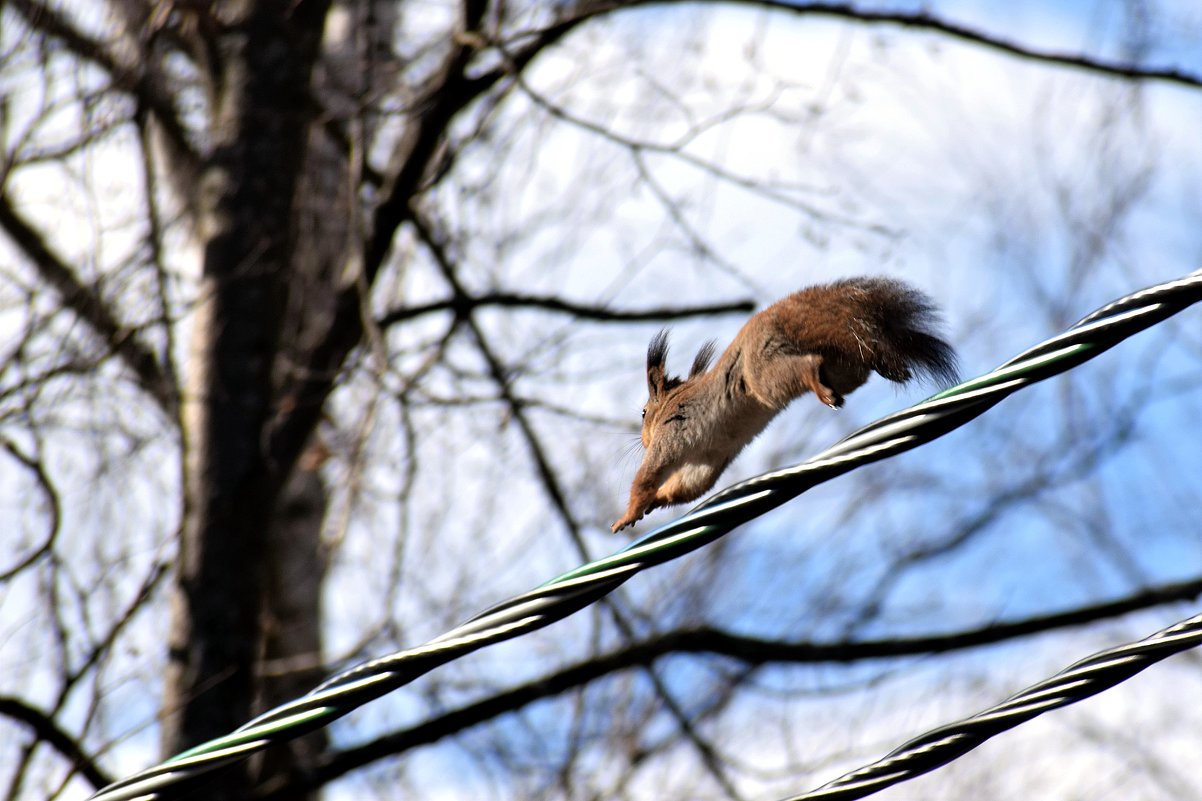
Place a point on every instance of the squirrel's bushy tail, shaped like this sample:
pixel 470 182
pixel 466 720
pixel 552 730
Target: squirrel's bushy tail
pixel 908 322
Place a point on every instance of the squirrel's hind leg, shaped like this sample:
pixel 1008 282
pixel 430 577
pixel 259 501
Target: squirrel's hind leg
pixel 785 377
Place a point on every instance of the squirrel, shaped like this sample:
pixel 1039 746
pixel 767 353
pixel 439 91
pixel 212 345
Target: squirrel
pixel 825 339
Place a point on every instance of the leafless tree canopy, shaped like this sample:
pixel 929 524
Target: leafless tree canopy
pixel 321 328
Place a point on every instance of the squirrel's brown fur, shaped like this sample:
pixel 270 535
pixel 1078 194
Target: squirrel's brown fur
pixel 825 340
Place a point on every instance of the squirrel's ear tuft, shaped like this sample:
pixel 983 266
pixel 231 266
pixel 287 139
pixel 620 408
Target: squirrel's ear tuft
pixel 657 351
pixel 657 361
pixel 701 362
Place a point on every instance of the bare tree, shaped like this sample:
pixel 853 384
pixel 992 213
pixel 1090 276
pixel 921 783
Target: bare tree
pixel 322 326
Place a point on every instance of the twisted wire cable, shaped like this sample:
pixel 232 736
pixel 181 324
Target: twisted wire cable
pixel 576 589
pixel 939 746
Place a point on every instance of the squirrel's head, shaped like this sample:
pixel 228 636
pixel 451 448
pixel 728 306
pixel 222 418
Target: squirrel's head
pixel 663 390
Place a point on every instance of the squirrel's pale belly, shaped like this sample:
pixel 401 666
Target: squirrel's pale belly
pixel 689 481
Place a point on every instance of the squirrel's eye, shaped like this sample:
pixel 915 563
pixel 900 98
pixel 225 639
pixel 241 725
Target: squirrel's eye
pixel 644 414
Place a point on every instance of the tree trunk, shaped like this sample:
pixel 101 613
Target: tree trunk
pixel 261 111
pixel 291 661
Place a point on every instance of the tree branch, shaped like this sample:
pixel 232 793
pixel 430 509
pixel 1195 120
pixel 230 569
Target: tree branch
pixel 466 304
pixel 916 20
pixel 750 651
pixel 88 307
pixel 925 21
pixel 450 91
pixel 38 471
pixel 46 730
pixel 138 80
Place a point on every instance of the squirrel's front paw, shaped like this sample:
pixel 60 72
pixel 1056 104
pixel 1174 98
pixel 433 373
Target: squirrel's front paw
pixel 627 520
pixel 642 501
pixel 634 513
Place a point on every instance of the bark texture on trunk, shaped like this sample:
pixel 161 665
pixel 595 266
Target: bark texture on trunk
pixel 261 111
